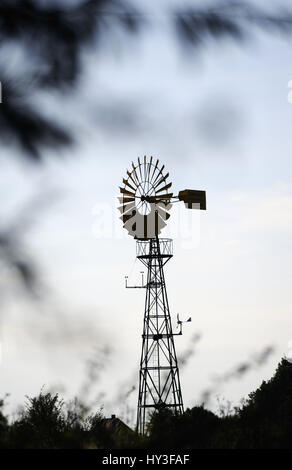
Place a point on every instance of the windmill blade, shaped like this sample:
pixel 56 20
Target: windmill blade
pixel 161 206
pixel 131 177
pixel 159 223
pixel 127 217
pixel 139 164
pixel 129 225
pixel 126 207
pixel 128 193
pixel 156 166
pixel 157 176
pixel 149 167
pixel 160 197
pixel 160 173
pixel 147 226
pixel 161 180
pixel 131 228
pixel 147 173
pixel 145 167
pixel 126 182
pixel 141 224
pixel 135 174
pixel 162 213
pixel 123 199
pixel 164 188
pixel 164 205
pixel 142 171
pixel 141 228
pixel 145 178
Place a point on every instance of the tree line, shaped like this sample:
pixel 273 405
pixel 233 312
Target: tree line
pixel 263 421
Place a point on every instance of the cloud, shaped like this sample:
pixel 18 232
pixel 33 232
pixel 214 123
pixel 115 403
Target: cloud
pixel 270 212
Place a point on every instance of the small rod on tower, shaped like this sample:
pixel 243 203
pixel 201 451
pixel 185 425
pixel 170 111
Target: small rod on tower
pixel 136 287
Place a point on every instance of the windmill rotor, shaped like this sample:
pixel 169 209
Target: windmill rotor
pixel 145 199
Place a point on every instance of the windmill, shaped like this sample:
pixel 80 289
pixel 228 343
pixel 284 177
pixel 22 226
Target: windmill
pixel 145 204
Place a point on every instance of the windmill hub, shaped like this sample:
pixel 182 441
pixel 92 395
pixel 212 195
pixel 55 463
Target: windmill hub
pixel 145 207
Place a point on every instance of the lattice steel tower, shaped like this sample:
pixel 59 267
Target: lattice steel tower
pixel 145 208
pixel 159 383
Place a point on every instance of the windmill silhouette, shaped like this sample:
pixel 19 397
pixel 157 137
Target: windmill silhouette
pixel 145 208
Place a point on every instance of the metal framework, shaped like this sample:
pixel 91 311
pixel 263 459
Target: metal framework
pixel 159 383
pixel 145 203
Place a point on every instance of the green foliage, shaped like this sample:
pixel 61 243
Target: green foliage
pixel 194 429
pixel 266 417
pixel 41 425
pixel 263 421
pixel 162 429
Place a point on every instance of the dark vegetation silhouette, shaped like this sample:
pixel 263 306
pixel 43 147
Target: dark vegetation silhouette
pixel 263 421
pixel 53 37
